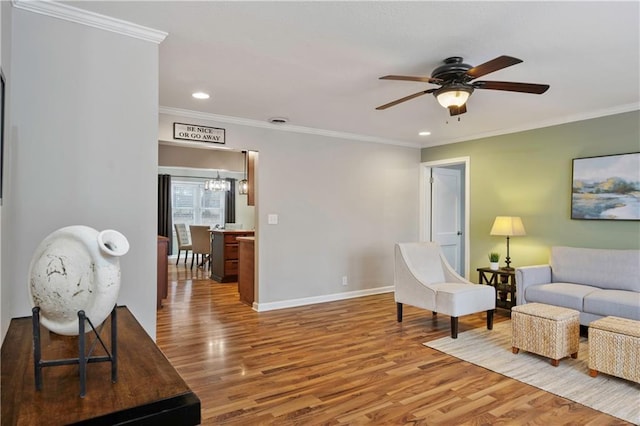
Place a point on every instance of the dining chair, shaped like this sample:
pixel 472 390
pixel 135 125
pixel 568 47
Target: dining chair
pixel 201 244
pixel 184 243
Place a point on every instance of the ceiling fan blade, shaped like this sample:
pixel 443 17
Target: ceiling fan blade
pixel 406 98
pixel 455 110
pixel 410 78
pixel 493 65
pixel 510 86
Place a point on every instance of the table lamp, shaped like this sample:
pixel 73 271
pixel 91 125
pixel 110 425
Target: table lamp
pixel 509 226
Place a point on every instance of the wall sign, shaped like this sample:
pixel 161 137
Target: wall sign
pixel 194 132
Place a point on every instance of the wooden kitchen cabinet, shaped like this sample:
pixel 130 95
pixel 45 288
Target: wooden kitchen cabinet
pixel 246 261
pixel 224 254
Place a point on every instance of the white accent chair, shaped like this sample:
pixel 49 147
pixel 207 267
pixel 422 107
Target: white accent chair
pixel 423 278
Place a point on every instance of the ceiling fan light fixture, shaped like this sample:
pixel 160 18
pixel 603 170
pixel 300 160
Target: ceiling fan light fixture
pixel 455 95
pixel 455 79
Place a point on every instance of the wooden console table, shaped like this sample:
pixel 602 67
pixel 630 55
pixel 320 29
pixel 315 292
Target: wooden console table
pixel 149 391
pixel 504 281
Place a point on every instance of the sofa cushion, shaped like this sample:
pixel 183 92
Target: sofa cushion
pixel 604 268
pixel 568 295
pixel 617 303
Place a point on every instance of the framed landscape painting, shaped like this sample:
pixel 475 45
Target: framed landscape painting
pixel 606 188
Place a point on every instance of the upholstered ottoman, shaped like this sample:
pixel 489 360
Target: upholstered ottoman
pixel 614 348
pixel 550 331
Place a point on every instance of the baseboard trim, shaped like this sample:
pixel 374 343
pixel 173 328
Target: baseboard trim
pixel 292 303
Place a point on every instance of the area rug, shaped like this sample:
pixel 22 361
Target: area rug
pixel 491 349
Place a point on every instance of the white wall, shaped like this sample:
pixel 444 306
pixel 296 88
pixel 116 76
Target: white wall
pixel 245 214
pixel 5 10
pixel 342 204
pixel 196 158
pixel 83 150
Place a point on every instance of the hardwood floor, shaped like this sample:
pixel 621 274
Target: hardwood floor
pixel 344 362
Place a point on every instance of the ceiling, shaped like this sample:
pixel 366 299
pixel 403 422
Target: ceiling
pixel 318 63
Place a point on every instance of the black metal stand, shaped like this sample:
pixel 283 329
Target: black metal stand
pixel 508 259
pixel 84 357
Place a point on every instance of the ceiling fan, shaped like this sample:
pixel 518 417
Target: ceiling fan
pixel 456 81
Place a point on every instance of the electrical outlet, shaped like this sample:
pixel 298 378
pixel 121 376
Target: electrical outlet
pixel 345 280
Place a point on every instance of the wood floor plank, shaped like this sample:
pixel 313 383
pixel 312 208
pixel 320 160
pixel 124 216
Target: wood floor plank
pixel 343 362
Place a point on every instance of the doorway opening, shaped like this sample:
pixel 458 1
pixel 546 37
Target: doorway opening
pixel 228 213
pixel 444 208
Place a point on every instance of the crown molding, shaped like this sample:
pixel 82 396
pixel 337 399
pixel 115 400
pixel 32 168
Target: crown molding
pixel 542 124
pixel 197 115
pixel 91 19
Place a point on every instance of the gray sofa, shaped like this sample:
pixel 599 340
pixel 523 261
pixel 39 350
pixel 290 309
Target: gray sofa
pixel 596 282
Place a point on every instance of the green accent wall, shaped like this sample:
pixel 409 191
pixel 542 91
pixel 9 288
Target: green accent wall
pixel 528 174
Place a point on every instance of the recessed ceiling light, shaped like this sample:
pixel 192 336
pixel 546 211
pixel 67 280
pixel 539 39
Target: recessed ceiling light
pixel 200 95
pixel 425 133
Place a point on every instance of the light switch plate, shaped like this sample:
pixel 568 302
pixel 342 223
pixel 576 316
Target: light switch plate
pixel 272 219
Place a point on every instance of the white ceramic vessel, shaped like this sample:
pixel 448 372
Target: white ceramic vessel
pixel 76 268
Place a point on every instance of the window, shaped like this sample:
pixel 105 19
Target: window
pixel 192 205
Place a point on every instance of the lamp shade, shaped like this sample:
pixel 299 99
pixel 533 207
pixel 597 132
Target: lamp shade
pixel 510 226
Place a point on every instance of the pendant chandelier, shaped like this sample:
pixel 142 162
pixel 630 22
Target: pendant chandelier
pixel 218 184
pixel 243 185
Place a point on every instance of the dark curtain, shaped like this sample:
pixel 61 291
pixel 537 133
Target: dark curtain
pixel 164 209
pixel 230 203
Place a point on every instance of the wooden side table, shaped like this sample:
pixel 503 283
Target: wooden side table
pixel 149 390
pixel 504 281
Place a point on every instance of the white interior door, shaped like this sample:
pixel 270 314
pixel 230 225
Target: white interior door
pixel 446 208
